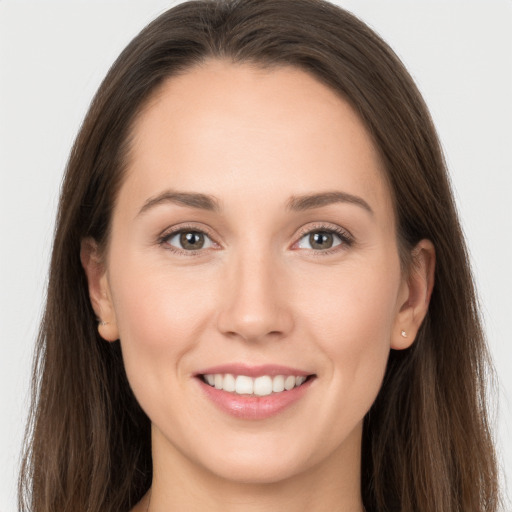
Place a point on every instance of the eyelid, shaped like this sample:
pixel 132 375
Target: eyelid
pixel 345 236
pixel 326 226
pixel 347 239
pixel 168 233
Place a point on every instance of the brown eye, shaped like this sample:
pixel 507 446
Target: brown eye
pixel 189 240
pixel 321 240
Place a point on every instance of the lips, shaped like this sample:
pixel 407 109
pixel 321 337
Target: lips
pixel 254 392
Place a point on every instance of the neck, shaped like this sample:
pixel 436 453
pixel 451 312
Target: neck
pixel 181 484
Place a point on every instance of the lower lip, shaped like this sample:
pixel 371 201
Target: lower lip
pixel 252 407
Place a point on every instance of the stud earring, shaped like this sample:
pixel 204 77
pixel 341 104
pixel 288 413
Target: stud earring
pixel 404 334
pixel 106 323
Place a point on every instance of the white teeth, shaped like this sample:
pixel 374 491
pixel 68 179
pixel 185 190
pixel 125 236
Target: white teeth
pixel 244 385
pixel 299 380
pixel 263 386
pixel 289 382
pixel 259 386
pixel 278 384
pixel 229 383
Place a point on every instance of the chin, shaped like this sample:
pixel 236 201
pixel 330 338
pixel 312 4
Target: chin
pixel 263 460
pixel 268 470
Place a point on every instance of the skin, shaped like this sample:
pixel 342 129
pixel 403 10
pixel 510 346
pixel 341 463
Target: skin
pixel 258 292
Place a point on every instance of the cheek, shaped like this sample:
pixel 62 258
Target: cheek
pixel 159 319
pixel 351 320
pixel 155 313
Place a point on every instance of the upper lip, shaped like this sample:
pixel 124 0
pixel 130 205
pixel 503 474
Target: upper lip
pixel 254 370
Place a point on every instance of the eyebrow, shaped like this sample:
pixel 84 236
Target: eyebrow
pixel 190 199
pixel 294 203
pixel 308 202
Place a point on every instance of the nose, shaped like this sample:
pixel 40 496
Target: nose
pixel 255 304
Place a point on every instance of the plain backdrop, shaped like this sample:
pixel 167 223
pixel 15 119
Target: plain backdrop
pixel 53 56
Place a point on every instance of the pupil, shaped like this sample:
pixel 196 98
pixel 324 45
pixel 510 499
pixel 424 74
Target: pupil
pixel 192 240
pixel 321 240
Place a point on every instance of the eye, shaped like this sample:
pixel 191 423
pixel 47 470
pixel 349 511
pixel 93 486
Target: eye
pixel 188 240
pixel 323 239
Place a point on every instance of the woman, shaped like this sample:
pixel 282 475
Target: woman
pixel 259 296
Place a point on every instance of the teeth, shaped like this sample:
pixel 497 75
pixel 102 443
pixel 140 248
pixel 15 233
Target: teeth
pixel 229 383
pixel 259 386
pixel 244 385
pixel 289 382
pixel 263 386
pixel 278 384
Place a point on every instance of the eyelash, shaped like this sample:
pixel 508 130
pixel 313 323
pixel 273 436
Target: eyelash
pixel 346 239
pixel 166 236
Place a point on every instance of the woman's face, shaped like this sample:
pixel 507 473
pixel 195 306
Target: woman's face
pixel 254 237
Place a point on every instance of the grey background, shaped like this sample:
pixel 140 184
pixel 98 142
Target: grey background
pixel 53 56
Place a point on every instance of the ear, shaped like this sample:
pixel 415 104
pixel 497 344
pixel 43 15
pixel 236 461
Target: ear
pixel 99 289
pixel 414 296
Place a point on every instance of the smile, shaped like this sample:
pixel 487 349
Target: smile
pixel 254 392
pixel 259 386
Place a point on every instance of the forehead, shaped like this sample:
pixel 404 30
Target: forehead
pixel 229 129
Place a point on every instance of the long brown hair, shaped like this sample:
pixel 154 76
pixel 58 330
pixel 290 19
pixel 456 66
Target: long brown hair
pixel 426 441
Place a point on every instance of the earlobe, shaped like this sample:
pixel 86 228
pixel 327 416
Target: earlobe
pixel 414 295
pixel 99 289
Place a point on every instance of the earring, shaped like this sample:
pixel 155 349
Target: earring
pixel 106 323
pixel 404 334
